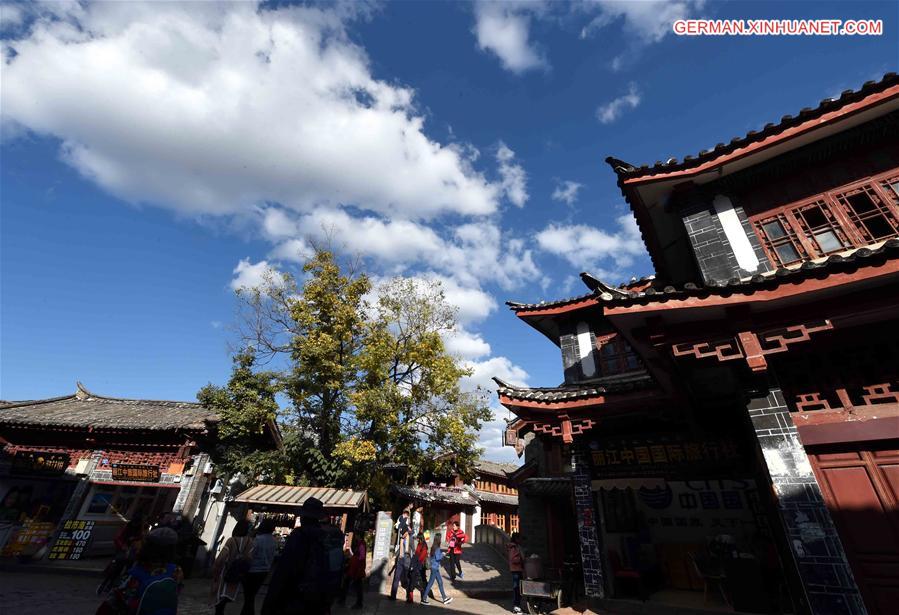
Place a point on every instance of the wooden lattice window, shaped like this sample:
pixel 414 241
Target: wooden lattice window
pixel 780 239
pixel 856 215
pixel 616 355
pixel 820 226
pixel 890 188
pixel 869 213
pixel 513 524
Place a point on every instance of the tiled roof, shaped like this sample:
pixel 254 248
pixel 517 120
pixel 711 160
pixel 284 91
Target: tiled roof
pixel 626 170
pixel 849 259
pixel 459 496
pixel 515 305
pixel 497 498
pixel 85 409
pixel 495 468
pixel 288 495
pixel 628 382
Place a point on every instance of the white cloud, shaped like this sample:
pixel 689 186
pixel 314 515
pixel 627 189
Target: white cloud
pixel 590 248
pixel 514 178
pixel 217 108
pixel 11 15
pixel 491 435
pixel 466 345
pixel 491 439
pixel 649 20
pixel 249 275
pixel 484 371
pixel 472 253
pixel 503 28
pixel 612 110
pixel 566 192
pixel 472 303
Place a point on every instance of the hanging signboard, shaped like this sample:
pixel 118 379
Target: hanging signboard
pixel 40 462
pixel 135 472
pixel 72 540
pixel 662 456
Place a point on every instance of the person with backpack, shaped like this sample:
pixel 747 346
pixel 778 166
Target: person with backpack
pixel 152 585
pixel 264 549
pixel 417 572
pixel 304 579
pixel 403 564
pixel 455 538
pixel 231 566
pixel 127 543
pixel 436 556
pixel 516 567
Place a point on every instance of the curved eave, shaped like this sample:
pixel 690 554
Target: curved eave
pixel 873 96
pixel 543 316
pixel 844 274
pixel 598 401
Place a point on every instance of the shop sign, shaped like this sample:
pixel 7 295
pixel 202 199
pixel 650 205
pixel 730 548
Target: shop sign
pixel 662 456
pixel 136 472
pixel 72 540
pixel 39 462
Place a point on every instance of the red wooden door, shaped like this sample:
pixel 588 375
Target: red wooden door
pixel 860 483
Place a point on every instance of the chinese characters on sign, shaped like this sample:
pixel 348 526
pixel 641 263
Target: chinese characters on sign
pixel 72 540
pixel 135 472
pixel 39 462
pixel 660 457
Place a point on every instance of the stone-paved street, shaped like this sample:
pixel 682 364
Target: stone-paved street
pixel 41 593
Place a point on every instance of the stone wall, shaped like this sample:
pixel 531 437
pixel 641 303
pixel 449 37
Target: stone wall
pixel 711 248
pixel 817 552
pixel 588 534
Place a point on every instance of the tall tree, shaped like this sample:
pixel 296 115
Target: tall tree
pixel 368 378
pixel 247 409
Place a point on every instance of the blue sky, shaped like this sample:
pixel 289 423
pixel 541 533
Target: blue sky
pixel 155 157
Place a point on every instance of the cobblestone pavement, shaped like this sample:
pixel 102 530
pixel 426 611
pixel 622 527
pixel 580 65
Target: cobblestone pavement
pixel 29 593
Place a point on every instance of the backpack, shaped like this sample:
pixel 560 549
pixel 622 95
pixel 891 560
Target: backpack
pixel 237 567
pixel 323 565
pixel 153 594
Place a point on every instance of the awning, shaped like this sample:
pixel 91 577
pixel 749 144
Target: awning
pixel 547 487
pixel 287 495
pixel 628 483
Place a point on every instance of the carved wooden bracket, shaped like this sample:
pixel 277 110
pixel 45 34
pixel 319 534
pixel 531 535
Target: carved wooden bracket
pixel 777 340
pixel 566 428
pixel 750 346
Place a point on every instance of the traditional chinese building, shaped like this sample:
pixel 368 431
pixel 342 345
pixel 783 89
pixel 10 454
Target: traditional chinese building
pixel 732 422
pixel 489 500
pixel 97 461
pixel 499 499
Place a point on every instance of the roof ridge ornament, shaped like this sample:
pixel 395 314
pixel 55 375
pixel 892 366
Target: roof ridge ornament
pixel 81 392
pixel 598 286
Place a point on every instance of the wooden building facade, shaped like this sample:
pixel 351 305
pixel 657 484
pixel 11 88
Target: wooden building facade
pixel 733 420
pixel 88 463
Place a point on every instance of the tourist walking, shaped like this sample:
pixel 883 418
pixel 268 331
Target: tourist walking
pixel 417 579
pixel 355 571
pixel 516 567
pixel 434 560
pixel 264 548
pixel 455 538
pixel 153 583
pixel 403 564
pixel 231 566
pixel 302 578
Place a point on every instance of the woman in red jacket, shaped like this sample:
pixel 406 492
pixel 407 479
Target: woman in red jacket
pixel 455 538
